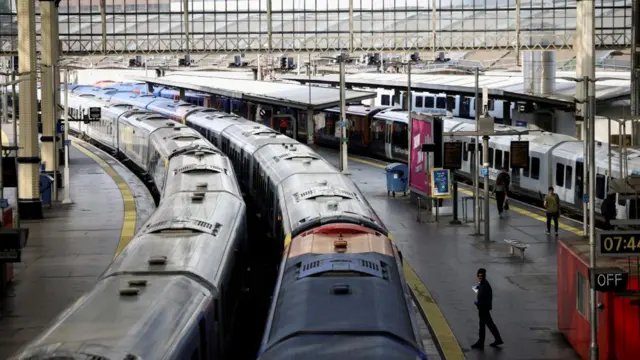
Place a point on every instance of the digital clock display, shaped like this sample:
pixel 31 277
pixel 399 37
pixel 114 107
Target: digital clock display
pixel 620 243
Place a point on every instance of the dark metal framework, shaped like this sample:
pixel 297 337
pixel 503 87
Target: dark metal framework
pixel 157 26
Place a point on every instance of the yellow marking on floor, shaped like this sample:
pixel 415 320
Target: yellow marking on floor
pixel 515 209
pixel 449 345
pixel 130 215
pixel 532 215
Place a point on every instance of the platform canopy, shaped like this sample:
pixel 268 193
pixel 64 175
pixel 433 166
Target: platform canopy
pixel 502 85
pixel 264 92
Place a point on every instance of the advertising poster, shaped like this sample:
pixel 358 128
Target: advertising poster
pixel 441 183
pixel 419 175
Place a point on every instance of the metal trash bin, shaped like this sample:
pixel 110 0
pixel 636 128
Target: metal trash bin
pixel 46 189
pixel 397 178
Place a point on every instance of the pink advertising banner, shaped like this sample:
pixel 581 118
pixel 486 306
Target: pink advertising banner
pixel 419 175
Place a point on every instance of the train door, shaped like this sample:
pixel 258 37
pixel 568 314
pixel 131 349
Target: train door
pixel 464 106
pixel 577 190
pixel 388 139
pixel 378 137
pixel 563 180
pixel 400 141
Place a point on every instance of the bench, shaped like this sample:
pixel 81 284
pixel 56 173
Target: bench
pixel 514 244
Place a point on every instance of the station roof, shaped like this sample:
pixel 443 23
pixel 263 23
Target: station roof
pixel 282 94
pixel 504 85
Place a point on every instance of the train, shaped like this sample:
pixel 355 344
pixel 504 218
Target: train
pixel 172 293
pixel 339 265
pixel 461 107
pixel 554 159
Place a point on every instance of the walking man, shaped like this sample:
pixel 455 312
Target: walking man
pixel 502 189
pixel 483 303
pixel 552 205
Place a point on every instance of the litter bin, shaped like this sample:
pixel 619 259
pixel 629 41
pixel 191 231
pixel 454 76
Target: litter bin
pixel 46 189
pixel 397 176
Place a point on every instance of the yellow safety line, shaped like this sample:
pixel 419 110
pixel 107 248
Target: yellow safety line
pixel 449 345
pixel 511 207
pixel 130 215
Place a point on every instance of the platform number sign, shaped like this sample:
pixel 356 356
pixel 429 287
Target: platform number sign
pixel 619 243
pixel 4 203
pixel 95 114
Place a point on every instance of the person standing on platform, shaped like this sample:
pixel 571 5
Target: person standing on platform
pixel 283 126
pixel 484 305
pixel 502 190
pixel 552 205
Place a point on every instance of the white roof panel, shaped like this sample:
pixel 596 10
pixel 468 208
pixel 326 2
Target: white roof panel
pixel 500 84
pixel 276 93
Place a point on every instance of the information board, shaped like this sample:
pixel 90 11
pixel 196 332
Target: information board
pixel 610 280
pixel 452 155
pixel 519 155
pixel 619 243
pixel 441 183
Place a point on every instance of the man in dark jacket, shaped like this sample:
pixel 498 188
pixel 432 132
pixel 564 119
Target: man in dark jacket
pixel 502 189
pixel 485 298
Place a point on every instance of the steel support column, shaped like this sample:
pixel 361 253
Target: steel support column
pixel 635 69
pixel 48 55
pixel 103 23
pixel 585 68
pixel 518 32
pixel 186 29
pixel 269 32
pixel 310 126
pixel 30 206
pixel 351 26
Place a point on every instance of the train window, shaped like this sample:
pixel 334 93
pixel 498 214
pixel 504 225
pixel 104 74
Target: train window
pixel 379 130
pixel 600 191
pixel 441 102
pixel 385 100
pixel 490 105
pixel 535 168
pixel 465 153
pixel 428 102
pixel 568 175
pixel 525 171
pixel 400 135
pixel 581 292
pixel 505 163
pixel 498 161
pixel 490 156
pixel 560 174
pixel 418 102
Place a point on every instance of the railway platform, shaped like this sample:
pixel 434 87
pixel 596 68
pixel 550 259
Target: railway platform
pixel 445 259
pixel 73 244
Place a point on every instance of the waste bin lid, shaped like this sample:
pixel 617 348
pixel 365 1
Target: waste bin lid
pixel 396 167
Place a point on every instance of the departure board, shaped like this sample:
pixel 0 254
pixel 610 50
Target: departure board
pixel 452 155
pixel 519 154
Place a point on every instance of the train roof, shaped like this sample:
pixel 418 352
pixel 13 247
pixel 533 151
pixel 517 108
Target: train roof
pixel 393 114
pixel 169 108
pixel 363 110
pixel 141 101
pixel 89 329
pixel 314 299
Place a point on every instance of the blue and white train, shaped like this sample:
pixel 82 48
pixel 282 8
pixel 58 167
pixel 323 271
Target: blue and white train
pixel 339 266
pixel 173 291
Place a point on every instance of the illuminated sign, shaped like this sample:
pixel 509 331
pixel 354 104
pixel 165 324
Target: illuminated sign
pixel 619 243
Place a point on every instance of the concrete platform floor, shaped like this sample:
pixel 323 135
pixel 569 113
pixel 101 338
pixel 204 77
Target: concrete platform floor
pixel 446 257
pixel 73 245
